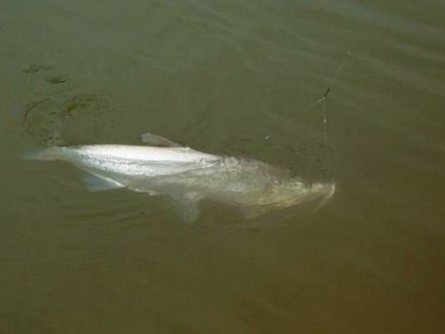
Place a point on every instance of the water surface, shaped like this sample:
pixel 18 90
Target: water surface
pixel 237 78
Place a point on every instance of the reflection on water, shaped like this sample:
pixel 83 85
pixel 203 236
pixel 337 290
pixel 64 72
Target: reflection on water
pixel 229 78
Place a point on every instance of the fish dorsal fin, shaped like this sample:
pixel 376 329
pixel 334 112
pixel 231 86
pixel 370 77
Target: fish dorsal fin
pixel 187 205
pixel 154 140
pixel 96 183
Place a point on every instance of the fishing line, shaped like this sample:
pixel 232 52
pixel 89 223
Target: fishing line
pixel 288 124
pixel 323 98
pixel 332 83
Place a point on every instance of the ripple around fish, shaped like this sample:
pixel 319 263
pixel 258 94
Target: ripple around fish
pixel 49 120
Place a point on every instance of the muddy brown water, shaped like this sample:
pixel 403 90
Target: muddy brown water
pixel 229 77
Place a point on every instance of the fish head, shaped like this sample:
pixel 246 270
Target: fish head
pixel 294 192
pixel 288 195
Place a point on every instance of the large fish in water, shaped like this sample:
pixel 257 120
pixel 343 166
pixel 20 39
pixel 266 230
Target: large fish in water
pixel 188 176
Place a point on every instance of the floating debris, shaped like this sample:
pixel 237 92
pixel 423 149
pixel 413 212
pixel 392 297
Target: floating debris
pixel 56 80
pixel 37 68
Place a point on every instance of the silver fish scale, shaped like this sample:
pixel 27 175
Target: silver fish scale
pixel 189 176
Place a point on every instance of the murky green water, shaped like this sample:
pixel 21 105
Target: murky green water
pixel 222 76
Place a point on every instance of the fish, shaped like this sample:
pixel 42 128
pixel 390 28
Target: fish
pixel 163 167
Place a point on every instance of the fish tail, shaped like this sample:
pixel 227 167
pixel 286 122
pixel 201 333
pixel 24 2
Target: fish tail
pixel 47 154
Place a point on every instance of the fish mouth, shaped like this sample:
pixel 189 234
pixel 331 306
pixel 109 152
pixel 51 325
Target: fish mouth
pixel 316 197
pixel 327 190
pixel 317 193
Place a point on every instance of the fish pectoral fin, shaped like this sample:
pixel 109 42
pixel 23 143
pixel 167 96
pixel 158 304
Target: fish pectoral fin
pixel 188 206
pixel 96 183
pixel 153 140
